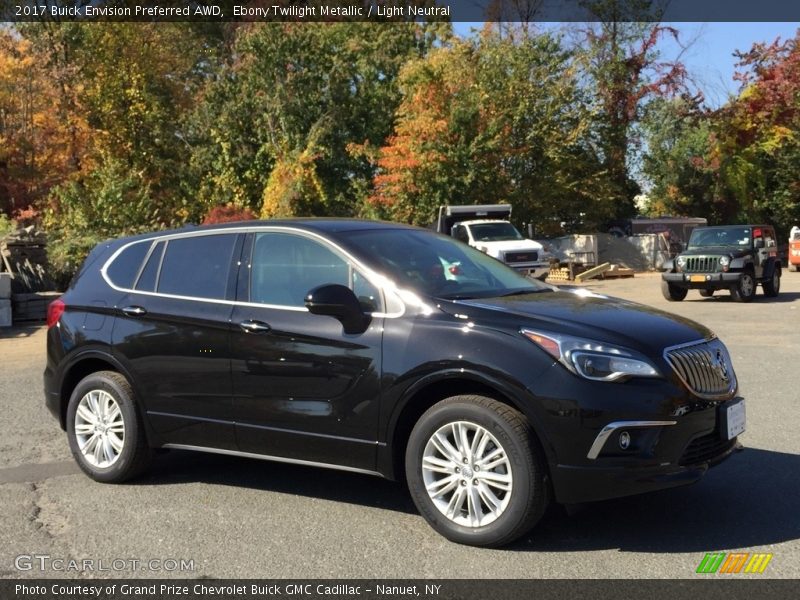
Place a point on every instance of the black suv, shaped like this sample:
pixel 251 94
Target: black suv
pixel 356 345
pixel 735 258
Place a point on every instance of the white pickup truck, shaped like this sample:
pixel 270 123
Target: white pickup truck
pixel 486 227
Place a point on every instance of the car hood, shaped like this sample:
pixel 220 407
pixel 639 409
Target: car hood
pixel 716 251
pixel 588 315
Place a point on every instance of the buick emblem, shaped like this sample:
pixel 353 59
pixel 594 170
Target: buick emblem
pixel 719 367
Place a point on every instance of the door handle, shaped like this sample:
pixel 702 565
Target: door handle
pixel 134 311
pixel 251 326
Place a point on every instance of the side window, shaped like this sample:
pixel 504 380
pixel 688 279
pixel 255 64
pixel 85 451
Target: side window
pixel 197 266
pixel 123 271
pixel 285 267
pixel 460 233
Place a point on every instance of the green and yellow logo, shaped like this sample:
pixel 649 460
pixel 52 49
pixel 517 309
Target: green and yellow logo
pixel 735 562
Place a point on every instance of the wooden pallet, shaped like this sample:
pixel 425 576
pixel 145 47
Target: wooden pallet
pixel 618 272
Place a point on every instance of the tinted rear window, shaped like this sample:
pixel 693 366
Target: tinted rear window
pixel 197 266
pixel 123 270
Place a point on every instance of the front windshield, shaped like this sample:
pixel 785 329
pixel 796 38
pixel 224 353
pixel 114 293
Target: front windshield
pixel 720 236
pixel 494 232
pixel 437 265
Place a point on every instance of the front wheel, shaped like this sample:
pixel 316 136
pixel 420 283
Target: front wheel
pixel 745 288
pixel 673 293
pixel 772 287
pixel 105 433
pixel 476 472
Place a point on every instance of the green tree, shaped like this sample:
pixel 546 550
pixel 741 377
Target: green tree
pixel 302 92
pixel 678 139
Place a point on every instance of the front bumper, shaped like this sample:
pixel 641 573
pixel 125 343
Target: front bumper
pixel 662 454
pixel 536 270
pixel 576 485
pixel 702 281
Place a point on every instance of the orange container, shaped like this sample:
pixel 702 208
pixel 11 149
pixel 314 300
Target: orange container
pixel 794 253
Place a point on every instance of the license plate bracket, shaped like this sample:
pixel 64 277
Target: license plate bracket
pixel 732 417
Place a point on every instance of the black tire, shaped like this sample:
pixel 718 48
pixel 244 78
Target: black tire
pixel 772 286
pixel 135 453
pixel 673 293
pixel 745 288
pixel 529 495
pixel 706 293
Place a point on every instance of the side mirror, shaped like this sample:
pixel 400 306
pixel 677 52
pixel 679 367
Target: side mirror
pixel 340 302
pixel 759 243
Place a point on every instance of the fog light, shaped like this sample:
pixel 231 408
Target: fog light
pixel 624 440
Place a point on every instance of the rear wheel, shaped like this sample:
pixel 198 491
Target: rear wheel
pixel 672 292
pixel 706 293
pixel 745 288
pixel 475 471
pixel 105 433
pixel 772 287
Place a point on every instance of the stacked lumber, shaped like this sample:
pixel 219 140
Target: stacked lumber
pixel 32 307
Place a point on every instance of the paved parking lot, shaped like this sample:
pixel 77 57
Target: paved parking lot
pixel 239 518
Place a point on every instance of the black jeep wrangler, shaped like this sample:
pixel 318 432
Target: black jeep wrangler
pixel 734 257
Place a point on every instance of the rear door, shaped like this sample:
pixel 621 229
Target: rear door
pixel 303 388
pixel 173 332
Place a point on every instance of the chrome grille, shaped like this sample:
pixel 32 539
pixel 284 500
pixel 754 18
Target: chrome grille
pixel 701 264
pixel 704 367
pixel 521 256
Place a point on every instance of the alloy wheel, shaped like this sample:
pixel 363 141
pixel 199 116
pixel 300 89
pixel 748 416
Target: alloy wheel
pixel 99 428
pixel 467 474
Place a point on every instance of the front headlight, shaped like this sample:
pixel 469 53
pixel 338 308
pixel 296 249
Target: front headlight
pixel 593 360
pixel 724 261
pixel 681 263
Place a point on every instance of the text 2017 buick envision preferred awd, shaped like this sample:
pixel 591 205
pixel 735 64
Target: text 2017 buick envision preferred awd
pixel 384 349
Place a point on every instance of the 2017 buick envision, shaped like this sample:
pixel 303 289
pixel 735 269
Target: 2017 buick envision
pixel 383 349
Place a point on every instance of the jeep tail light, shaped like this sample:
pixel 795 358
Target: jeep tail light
pixel 54 311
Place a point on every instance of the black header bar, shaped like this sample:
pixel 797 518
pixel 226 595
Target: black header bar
pixel 381 11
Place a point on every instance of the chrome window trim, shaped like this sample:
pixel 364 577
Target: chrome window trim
pixel 281 459
pixel 144 264
pixel 606 432
pixel 370 275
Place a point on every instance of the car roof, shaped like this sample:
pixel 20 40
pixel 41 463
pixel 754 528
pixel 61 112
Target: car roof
pixel 328 225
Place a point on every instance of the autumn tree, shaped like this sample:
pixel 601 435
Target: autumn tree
pixel 757 143
pixel 495 119
pixel 625 68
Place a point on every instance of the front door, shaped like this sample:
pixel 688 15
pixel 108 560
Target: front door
pixel 303 389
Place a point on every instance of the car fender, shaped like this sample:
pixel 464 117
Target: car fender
pixel 514 393
pixel 104 354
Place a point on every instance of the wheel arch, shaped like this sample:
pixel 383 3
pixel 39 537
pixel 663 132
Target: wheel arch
pixel 435 388
pixel 83 365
